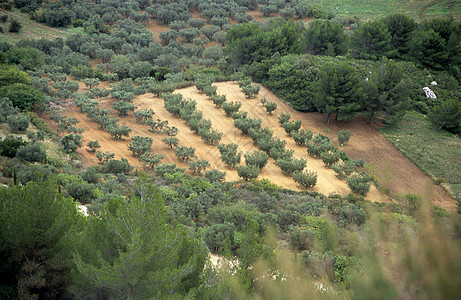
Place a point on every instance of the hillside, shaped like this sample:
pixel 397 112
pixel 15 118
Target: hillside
pixel 395 171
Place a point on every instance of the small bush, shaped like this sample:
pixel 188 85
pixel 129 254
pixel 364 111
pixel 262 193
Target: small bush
pixel 93 146
pixel 291 126
pixel 289 166
pixel 359 183
pixel 247 172
pixel 270 107
pixel 103 158
pixel 229 154
pixel 251 90
pixel 15 26
pixel 198 165
pixel 306 179
pixel 31 153
pixel 116 166
pixel 215 176
pixel 18 123
pixel 301 136
pixel 231 107
pixel 257 158
pixel 184 153
pixel 344 136
pixel 284 117
pixel 329 158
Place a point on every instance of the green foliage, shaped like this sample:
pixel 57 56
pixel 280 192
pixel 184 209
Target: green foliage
pixel 165 168
pixel 116 166
pixel 248 172
pixel 103 158
pixel 291 126
pixel 23 96
pixel 215 176
pixel 198 165
pixel 211 137
pixel 344 136
pixel 290 165
pixel 257 158
pixel 284 117
pixel 156 258
pixel 170 141
pixel 15 26
pixel 184 153
pixel 10 145
pixel 319 144
pixel 152 159
pixel 71 141
pixel 118 132
pixel 31 153
pixel 385 90
pixel 244 124
pixel 359 183
pixel 306 179
pixel 35 221
pixel 10 74
pixel 324 37
pixel 229 154
pixel 401 28
pixel 142 116
pixel 218 100
pixel 231 107
pixel 251 90
pixel 270 107
pixel 27 57
pixel 301 136
pixel 344 168
pixel 372 40
pixel 81 191
pixel 18 123
pixel 93 146
pixel 447 114
pixel 140 145
pixel 329 158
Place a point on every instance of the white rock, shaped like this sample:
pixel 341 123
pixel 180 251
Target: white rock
pixel 433 83
pixel 429 93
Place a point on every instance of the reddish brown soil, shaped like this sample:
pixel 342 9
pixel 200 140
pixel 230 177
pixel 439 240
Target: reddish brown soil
pixel 394 170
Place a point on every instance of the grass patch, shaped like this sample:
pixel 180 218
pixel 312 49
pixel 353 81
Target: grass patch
pixel 374 9
pixel 30 29
pixel 435 153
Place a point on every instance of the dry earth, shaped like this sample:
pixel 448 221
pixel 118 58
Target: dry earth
pixel 395 171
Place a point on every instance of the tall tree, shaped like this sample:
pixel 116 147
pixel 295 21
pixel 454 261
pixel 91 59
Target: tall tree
pixel 337 90
pixel 385 90
pixel 130 251
pixel 446 114
pixel 324 37
pixel 401 28
pixel 372 40
pixel 34 221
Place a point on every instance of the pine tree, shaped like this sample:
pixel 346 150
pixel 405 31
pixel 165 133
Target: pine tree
pixel 372 40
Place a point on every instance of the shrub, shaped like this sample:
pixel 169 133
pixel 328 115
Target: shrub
pixel 359 183
pixel 289 166
pixel 301 136
pixel 257 158
pixel 15 26
pixel 18 123
pixel 344 169
pixel 116 166
pixel 211 137
pixel 140 145
pixel 329 157
pixel 93 146
pixel 218 100
pixel 152 159
pixel 31 153
pixel 118 132
pixel 244 124
pixel 270 107
pixel 143 115
pixel 123 107
pixel 171 141
pixel 184 153
pixel 344 136
pixel 305 179
pixel 81 191
pixel 10 145
pixel 291 126
pixel 215 176
pixel 71 141
pixel 198 165
pixel 91 175
pixel 251 90
pixel 163 169
pixel 231 107
pixel 103 158
pixel 229 154
pixel 284 117
pixel 319 144
pixel 247 172
pixel 171 131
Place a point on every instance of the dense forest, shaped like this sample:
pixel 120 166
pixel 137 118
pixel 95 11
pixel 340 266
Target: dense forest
pixel 114 230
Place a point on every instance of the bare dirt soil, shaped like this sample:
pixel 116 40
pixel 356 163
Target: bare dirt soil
pixel 394 170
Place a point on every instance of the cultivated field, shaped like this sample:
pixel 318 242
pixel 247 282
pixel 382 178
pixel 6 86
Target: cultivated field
pixel 394 170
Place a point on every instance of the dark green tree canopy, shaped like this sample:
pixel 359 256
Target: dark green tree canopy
pixel 372 40
pixel 324 37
